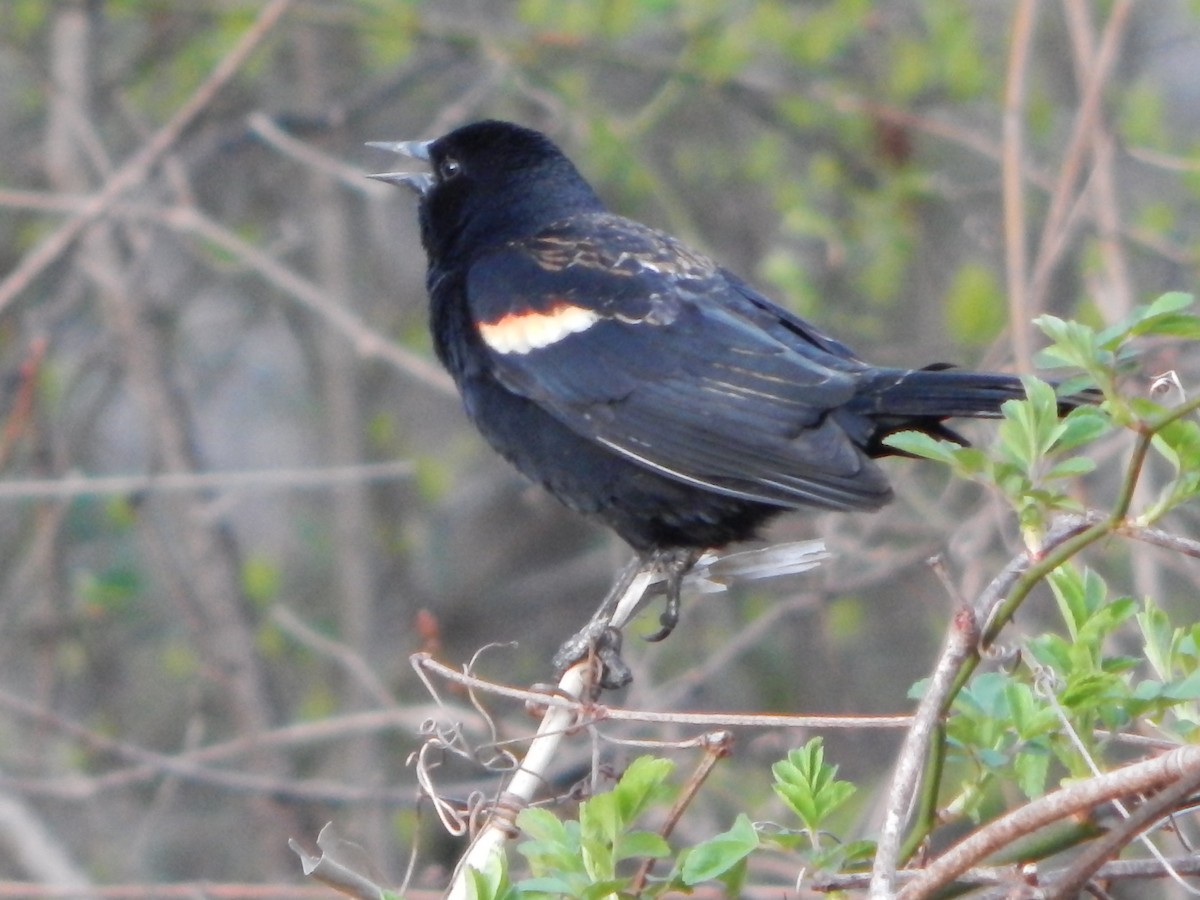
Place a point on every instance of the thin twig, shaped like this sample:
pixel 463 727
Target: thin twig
pixel 598 712
pixel 134 171
pixel 1116 296
pixel 1153 157
pixel 1096 856
pixel 1082 134
pixel 331 871
pixel 159 890
pixel 73 485
pixel 998 602
pixel 190 220
pixel 343 654
pixel 367 343
pixel 194 765
pixel 1013 178
pixel 717 746
pixel 1177 543
pixel 291 146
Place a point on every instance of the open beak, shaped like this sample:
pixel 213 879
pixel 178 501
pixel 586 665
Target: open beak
pixel 420 182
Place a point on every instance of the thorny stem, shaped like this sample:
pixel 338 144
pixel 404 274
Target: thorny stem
pixel 931 782
pixel 1005 582
pixel 960 643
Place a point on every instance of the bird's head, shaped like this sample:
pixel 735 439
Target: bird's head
pixel 489 183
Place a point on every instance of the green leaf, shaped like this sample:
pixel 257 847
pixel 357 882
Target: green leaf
pixel 917 443
pixel 993 759
pixel 491 883
pixel 1051 650
pixel 809 786
pixel 1179 326
pixel 986 693
pixel 642 843
pixel 1187 689
pixel 478 887
pixel 1105 620
pixel 1158 638
pixel 1074 467
pixel 1073 344
pixel 261 579
pixel 1140 112
pixel 643 783
pixel 1148 690
pixel 1179 442
pixel 1148 319
pixel 598 890
pixel 598 818
pixel 1091 691
pixel 1031 766
pixel 553 847
pixel 1030 718
pixel 597 854
pixel 716 856
pixel 1083 425
pixel 1031 426
pixel 541 825
pixel 859 851
pixel 1172 301
pixel 1072 593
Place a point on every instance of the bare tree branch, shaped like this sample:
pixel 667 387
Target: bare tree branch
pixel 136 168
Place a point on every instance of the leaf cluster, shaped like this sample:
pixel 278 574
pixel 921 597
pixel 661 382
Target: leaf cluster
pixel 1038 457
pixel 589 856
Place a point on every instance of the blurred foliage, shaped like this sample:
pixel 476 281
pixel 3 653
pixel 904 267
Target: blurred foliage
pixel 843 155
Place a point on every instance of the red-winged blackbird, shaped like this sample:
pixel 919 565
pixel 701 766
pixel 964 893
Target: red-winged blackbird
pixel 635 378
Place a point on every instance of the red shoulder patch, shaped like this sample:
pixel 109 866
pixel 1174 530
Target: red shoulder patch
pixel 531 329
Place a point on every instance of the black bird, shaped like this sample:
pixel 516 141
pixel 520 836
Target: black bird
pixel 639 381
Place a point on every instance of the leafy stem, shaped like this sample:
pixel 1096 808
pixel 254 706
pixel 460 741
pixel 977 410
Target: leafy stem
pixel 1060 546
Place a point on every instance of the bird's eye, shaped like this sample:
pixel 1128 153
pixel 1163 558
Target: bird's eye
pixel 448 168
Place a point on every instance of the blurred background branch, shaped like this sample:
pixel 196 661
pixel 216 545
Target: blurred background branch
pixel 196 287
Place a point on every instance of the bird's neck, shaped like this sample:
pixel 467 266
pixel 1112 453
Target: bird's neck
pixel 484 227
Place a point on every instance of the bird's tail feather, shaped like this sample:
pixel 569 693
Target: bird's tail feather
pixel 921 399
pixel 939 392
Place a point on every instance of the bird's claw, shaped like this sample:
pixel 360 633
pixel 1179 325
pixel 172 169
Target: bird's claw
pixel 668 620
pixel 602 641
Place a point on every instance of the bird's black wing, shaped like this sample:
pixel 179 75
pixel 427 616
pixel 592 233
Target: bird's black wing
pixel 633 341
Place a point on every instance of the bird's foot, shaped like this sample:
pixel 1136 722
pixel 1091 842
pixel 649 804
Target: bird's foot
pixel 669 618
pixel 601 637
pixel 603 643
pixel 672 565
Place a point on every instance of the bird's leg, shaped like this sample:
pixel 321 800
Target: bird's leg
pixel 672 565
pixel 600 635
